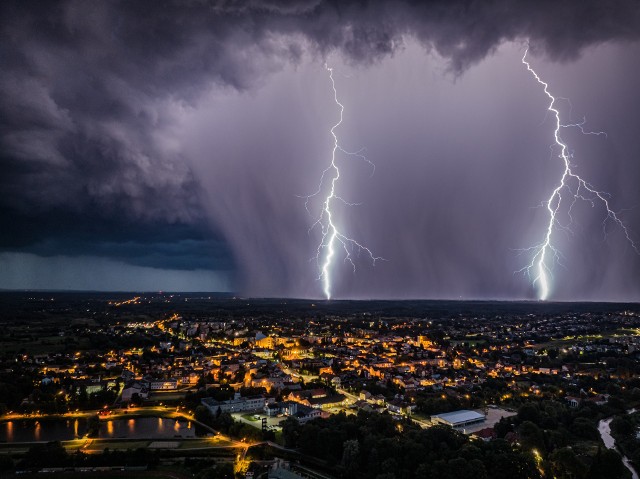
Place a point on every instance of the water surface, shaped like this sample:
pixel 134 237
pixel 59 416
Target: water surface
pixel 66 429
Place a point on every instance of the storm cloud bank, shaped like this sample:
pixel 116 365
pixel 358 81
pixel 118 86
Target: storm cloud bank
pixel 146 129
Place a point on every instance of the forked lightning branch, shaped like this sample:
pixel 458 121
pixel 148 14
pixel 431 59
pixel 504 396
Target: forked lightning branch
pixel 570 188
pixel 334 243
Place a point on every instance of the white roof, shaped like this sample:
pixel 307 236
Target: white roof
pixel 458 417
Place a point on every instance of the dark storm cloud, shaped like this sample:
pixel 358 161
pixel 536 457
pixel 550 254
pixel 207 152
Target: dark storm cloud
pixel 150 244
pixel 91 94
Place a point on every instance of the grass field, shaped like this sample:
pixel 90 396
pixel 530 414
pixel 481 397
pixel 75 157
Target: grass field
pixel 168 396
pixel 100 445
pixel 204 442
pixel 95 446
pixel 44 345
pixel 109 475
pixel 11 450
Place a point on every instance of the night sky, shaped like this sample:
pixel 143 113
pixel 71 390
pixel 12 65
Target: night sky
pixel 150 145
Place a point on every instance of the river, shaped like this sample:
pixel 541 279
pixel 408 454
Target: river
pixel 604 427
pixel 29 430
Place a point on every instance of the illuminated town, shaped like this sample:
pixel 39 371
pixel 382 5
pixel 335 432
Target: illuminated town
pixel 319 239
pixel 252 384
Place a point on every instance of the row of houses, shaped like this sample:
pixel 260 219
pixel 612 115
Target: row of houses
pixel 302 405
pixel 294 409
pixel 143 387
pixel 237 404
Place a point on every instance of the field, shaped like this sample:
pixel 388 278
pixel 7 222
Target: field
pixel 41 345
pixel 95 446
pixel 160 474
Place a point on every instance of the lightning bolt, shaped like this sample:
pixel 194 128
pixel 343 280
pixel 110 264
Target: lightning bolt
pixel 331 236
pixel 571 185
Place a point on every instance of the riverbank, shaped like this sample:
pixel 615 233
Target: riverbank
pixel 604 428
pixel 119 413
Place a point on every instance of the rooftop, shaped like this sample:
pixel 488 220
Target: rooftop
pixel 459 417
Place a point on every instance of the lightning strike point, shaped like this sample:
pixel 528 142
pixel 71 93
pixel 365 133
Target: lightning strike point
pixel 545 254
pixel 331 236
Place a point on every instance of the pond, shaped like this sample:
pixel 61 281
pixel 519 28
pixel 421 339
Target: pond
pixel 29 430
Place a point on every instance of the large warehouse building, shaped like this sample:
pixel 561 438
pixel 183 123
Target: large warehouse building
pixel 459 419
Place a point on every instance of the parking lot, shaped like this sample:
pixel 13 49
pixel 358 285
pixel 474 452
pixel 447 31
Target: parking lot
pixel 255 419
pixel 493 416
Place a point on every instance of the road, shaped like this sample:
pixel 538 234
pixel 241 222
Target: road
pixel 353 397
